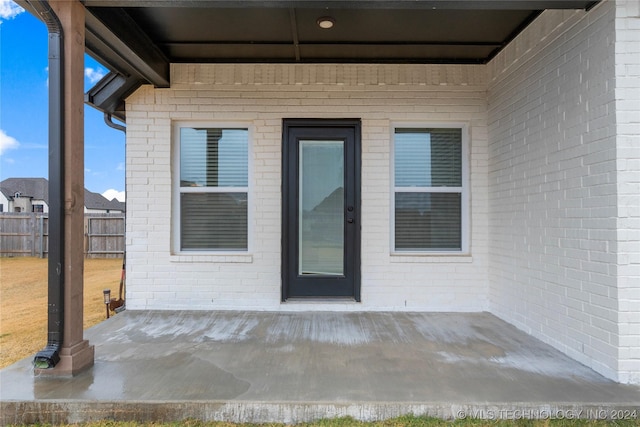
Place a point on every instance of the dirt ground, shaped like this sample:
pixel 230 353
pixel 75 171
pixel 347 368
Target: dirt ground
pixel 23 302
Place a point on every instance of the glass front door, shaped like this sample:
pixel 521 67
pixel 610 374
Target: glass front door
pixel 321 231
pixel 321 208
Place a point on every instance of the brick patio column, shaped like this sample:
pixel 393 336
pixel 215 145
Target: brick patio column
pixel 76 353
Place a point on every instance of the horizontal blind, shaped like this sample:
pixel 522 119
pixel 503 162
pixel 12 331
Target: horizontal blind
pixel 213 221
pixel 428 157
pixel 212 157
pixel 215 217
pixel 428 221
pixel 428 185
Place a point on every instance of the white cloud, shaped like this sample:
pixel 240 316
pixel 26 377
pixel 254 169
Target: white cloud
pixel 7 142
pixel 9 10
pixel 114 194
pixel 94 75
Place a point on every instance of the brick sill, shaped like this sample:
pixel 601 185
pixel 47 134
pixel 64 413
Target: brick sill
pixel 229 258
pixel 398 257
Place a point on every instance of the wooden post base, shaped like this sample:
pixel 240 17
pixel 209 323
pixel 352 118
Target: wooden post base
pixel 73 360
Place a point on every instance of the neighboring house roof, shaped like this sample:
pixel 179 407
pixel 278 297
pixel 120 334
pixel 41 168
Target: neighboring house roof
pixel 98 201
pixel 38 188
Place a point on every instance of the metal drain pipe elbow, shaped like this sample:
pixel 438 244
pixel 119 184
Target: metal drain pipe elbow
pixel 108 120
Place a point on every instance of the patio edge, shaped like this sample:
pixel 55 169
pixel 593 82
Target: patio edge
pixel 80 411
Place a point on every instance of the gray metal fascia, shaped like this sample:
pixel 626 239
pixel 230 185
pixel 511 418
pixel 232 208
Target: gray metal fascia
pixel 108 94
pixel 353 4
pixel 130 51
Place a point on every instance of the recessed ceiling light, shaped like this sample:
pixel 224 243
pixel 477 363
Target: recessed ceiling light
pixel 326 22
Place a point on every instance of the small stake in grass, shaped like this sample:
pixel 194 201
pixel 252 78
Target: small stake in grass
pixel 107 299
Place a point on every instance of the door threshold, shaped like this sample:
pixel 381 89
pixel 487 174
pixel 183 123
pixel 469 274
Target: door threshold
pixel 321 300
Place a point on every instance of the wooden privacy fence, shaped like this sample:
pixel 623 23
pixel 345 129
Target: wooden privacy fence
pixel 27 234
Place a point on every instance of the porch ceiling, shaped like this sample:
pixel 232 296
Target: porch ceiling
pixel 138 39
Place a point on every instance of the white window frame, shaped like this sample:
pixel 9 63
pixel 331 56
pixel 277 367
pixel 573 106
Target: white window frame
pixel 177 190
pixel 464 190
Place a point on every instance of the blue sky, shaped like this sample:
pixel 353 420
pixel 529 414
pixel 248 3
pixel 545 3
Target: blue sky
pixel 24 108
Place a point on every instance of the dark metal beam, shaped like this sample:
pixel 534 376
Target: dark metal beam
pixel 352 52
pixel 353 4
pixel 112 33
pixel 128 48
pixel 294 33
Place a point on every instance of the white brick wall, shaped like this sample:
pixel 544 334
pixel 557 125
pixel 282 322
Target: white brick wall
pixel 554 121
pixel 627 55
pixel 558 262
pixel 261 96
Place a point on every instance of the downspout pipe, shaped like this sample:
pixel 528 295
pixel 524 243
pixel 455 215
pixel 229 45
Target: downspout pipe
pixel 50 355
pixel 108 120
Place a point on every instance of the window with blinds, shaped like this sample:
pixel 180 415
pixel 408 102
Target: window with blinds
pixel 213 191
pixel 428 188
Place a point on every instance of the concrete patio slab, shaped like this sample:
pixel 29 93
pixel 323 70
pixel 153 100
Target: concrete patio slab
pixel 293 367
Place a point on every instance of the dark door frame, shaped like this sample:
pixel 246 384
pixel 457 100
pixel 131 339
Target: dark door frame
pixel 288 198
